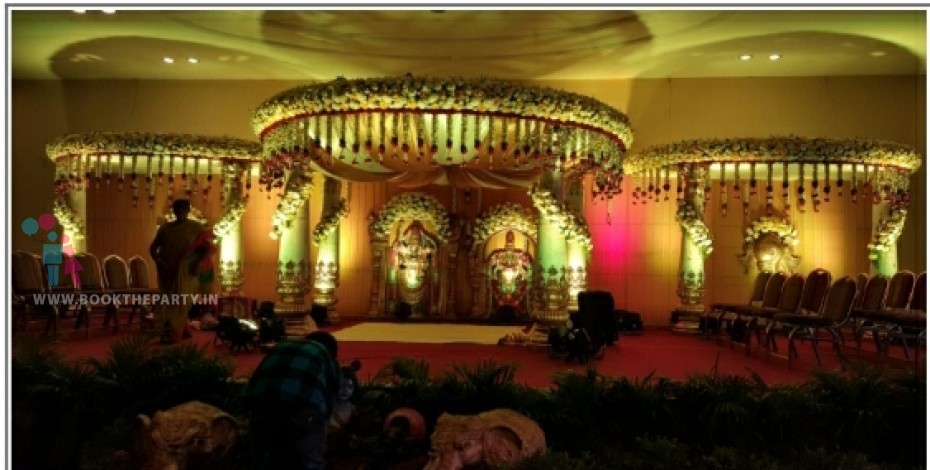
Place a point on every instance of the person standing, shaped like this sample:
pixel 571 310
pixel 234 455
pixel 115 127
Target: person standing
pixel 183 254
pixel 292 394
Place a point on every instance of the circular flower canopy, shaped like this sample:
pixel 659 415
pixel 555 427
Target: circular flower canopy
pixel 388 126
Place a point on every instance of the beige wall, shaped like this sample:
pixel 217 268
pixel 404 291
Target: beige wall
pixel 642 276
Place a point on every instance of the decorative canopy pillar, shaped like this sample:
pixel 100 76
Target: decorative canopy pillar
pixel 228 230
pixel 71 211
pixel 889 212
pixel 326 237
pixel 696 242
pixel 291 226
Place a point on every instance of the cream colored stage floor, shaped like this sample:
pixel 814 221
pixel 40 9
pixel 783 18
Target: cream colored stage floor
pixel 424 333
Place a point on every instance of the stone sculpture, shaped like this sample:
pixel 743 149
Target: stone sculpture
pixel 492 438
pixel 171 438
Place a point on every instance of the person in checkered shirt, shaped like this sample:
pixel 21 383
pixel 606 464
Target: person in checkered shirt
pixel 291 394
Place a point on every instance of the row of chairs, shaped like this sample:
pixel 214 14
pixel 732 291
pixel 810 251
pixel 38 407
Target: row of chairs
pixel 33 292
pixel 804 307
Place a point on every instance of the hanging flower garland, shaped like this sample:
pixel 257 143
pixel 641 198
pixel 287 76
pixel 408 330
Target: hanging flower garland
pixel 501 217
pixel 298 191
pixel 484 95
pixel 889 229
pixel 780 227
pixel 412 206
pixel 693 224
pixel 68 218
pixel 122 143
pixel 776 149
pixel 329 223
pixel 230 218
pixel 570 225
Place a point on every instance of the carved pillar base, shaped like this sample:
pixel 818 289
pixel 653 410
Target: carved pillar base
pixel 551 297
pixel 292 288
pixel 231 278
pixel 325 281
pixel 686 317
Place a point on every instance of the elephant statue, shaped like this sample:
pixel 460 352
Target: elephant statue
pixel 492 438
pixel 170 438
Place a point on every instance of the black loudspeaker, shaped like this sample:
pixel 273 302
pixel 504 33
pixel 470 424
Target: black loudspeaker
pixel 629 322
pixel 320 314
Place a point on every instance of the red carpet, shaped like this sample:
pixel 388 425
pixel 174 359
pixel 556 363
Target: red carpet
pixel 661 352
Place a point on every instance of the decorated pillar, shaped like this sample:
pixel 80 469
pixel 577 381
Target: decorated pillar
pixel 291 225
pixel 326 237
pixel 696 244
pixel 579 242
pixel 228 230
pixel 551 274
pixel 70 211
pixel 889 212
pixel 379 268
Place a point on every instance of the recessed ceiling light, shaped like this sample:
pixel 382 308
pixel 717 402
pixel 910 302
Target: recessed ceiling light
pixel 168 60
pixel 108 12
pixel 192 60
pixel 878 53
pixel 775 56
pixel 80 12
pixel 745 57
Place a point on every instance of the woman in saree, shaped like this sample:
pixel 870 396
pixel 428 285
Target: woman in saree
pixel 182 250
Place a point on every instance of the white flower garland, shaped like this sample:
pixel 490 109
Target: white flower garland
pixel 484 95
pixel 775 149
pixel 780 227
pixel 889 229
pixel 146 144
pixel 572 226
pixel 68 218
pixel 412 206
pixel 329 223
pixel 231 217
pixel 298 191
pixel 693 224
pixel 504 216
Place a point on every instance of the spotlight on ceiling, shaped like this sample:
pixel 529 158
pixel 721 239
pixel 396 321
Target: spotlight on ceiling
pixel 774 56
pixel 168 60
pixel 745 57
pixel 109 12
pixel 192 60
pixel 80 12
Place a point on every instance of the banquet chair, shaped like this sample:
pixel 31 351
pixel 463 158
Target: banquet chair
pixel 756 296
pixel 833 314
pixel 911 322
pixel 871 299
pixel 761 318
pixel 139 284
pixel 94 284
pixel 877 322
pixel 116 275
pixel 862 281
pixel 67 289
pixel 770 296
pixel 29 289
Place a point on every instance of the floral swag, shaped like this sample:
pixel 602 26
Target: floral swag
pixel 776 149
pixel 137 143
pixel 693 225
pixel 298 190
pixel 230 218
pixel 416 206
pixel 330 222
pixel 68 218
pixel 889 229
pixel 501 217
pixel 570 225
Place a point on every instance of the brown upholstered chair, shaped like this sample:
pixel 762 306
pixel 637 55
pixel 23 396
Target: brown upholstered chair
pixel 911 323
pixel 871 299
pixel 30 301
pixel 139 284
pixel 717 310
pixel 770 296
pixel 879 321
pixel 760 319
pixel 833 314
pixel 116 275
pixel 94 284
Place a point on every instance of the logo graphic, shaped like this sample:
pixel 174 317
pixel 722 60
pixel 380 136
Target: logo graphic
pixel 56 250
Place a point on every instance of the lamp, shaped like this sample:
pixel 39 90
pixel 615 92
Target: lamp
pixel 377 129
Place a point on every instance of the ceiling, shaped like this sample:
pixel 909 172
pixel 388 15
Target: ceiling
pixel 520 45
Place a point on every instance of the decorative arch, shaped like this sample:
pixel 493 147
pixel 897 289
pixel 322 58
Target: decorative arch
pixel 414 205
pixel 503 217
